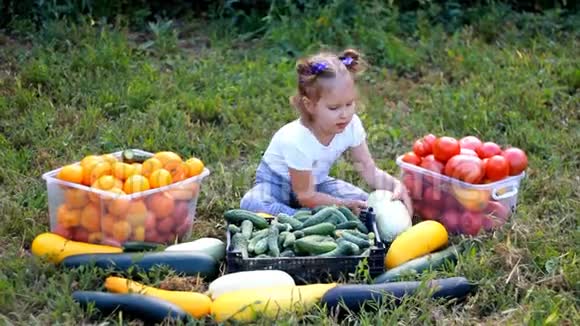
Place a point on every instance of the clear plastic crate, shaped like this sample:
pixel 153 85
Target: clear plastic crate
pixel 463 208
pixel 159 215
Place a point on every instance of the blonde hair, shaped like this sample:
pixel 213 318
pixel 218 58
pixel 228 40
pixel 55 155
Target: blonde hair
pixel 322 66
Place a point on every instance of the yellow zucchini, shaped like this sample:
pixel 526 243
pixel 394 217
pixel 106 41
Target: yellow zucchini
pixel 247 304
pixel 421 239
pixel 196 304
pixel 56 248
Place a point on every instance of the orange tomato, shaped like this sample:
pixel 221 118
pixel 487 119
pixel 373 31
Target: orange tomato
pixel 71 173
pixel 136 183
pixel 121 231
pixel 98 170
pixel 160 178
pixel 150 165
pixel 68 217
pixel 161 204
pixel 137 213
pixel 122 170
pixel 75 198
pixel 177 169
pixel 194 167
pixel 166 156
pixel 91 218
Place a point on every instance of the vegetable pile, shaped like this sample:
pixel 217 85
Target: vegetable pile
pixel 326 231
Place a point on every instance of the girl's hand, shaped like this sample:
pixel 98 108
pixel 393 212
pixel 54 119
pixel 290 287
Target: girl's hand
pixel 400 193
pixel 355 206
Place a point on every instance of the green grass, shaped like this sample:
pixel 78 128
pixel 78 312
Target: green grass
pixel 74 90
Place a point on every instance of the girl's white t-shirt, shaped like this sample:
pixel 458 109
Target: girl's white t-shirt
pixel 295 146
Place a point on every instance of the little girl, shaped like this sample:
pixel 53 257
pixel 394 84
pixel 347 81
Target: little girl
pixel 293 172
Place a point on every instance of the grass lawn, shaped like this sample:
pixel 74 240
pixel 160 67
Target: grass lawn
pixel 198 89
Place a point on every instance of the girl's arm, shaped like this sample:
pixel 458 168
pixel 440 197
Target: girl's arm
pixel 377 178
pixel 303 186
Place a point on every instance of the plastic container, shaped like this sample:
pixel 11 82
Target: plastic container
pixel 306 270
pixel 160 215
pixel 463 208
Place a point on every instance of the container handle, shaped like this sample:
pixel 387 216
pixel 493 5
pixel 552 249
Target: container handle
pixel 510 193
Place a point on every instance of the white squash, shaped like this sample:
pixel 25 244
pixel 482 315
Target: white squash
pixel 392 216
pixel 248 280
pixel 211 246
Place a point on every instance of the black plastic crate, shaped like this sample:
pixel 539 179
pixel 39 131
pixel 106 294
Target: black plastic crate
pixel 314 269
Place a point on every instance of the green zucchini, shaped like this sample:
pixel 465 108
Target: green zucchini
pixel 236 216
pixel 319 217
pixel 307 245
pixel 189 263
pixel 322 229
pixel 261 246
pixel 240 243
pixel 363 244
pixel 347 225
pixel 420 264
pixel 131 156
pixel 233 229
pixel 146 308
pixel 284 218
pixel 289 240
pixel 348 213
pixel 137 246
pixel 274 250
pixel 246 228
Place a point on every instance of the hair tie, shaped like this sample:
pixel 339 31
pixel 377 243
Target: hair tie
pixel 347 61
pixel 317 68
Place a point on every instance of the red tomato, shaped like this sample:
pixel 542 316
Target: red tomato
pixel 63 232
pixel 414 185
pixel 450 220
pixel 430 139
pixel 465 168
pixel 81 235
pixel 517 159
pixel 471 223
pixel 430 213
pixel 411 158
pixel 468 151
pixel 430 163
pixel 496 215
pixel 470 142
pixel 421 148
pixel 432 197
pixel 496 168
pixel 445 148
pixel 449 202
pixel 488 149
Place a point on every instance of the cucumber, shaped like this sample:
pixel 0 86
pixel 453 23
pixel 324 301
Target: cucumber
pixel 261 246
pixel 347 225
pixel 240 243
pixel 282 238
pixel 274 250
pixel 287 253
pixel 309 246
pixel 263 256
pixel 340 218
pixel 354 297
pixel 246 228
pixel 322 229
pixel 236 216
pixel 420 264
pixel 319 217
pixel 148 309
pixel 362 228
pixel 298 234
pixel 136 246
pixel 302 213
pixel 348 213
pixel 131 156
pixel 289 240
pixel 259 233
pixel 303 217
pixel 182 262
pixel 363 244
pixel 284 218
pixel 282 226
pixel 233 229
pixel 257 237
pixel 344 248
pixel 354 248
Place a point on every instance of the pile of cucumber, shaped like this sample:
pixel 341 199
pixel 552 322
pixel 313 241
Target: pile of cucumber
pixel 326 231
